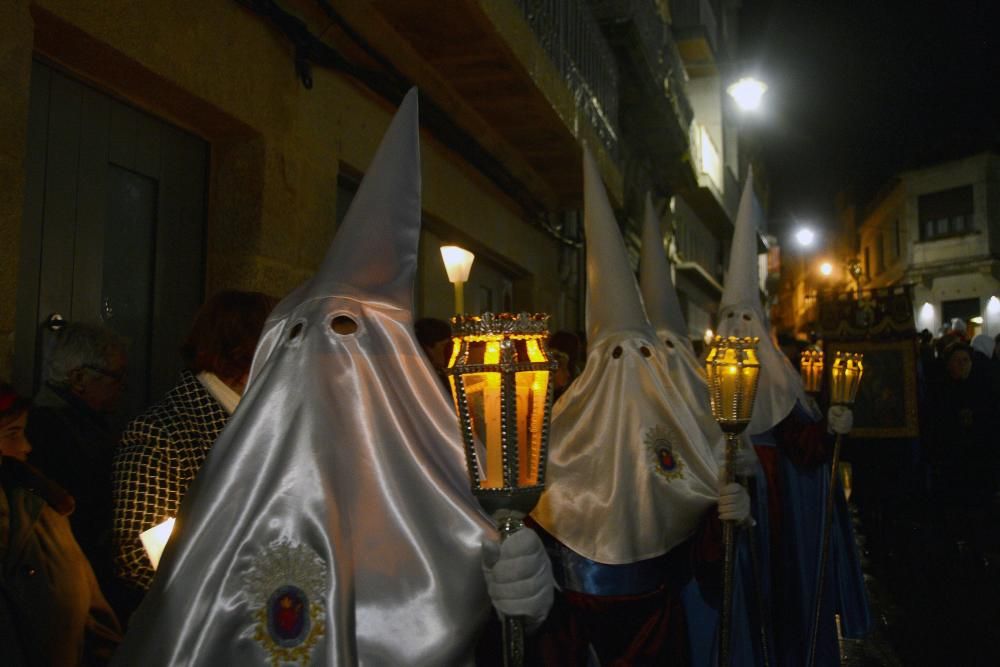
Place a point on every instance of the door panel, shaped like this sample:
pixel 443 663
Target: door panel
pixel 114 216
pixel 127 287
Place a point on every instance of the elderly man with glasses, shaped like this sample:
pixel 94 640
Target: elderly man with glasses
pixel 71 435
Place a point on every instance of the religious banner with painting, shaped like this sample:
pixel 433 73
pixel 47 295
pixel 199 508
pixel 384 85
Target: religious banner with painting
pixel 886 405
pixel 880 326
pixel 884 313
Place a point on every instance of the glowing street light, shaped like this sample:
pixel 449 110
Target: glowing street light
pixel 458 264
pixel 826 268
pixel 748 93
pixel 805 236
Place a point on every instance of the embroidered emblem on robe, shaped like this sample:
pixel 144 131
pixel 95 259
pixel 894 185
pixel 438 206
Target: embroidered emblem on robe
pixel 664 459
pixel 286 586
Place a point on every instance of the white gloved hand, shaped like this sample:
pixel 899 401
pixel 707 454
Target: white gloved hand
pixel 734 503
pixel 519 577
pixel 839 419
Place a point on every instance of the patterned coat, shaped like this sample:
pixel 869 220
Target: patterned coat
pixel 161 451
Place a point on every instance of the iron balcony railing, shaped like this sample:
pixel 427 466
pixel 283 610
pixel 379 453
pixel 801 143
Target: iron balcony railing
pixel 573 41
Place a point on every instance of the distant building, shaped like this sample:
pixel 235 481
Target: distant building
pixel 938 228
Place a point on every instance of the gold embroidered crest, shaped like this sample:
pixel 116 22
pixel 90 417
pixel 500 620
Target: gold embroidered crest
pixel 665 460
pixel 286 586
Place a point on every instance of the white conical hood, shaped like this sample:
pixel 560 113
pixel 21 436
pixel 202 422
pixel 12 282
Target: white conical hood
pixel 664 310
pixel 741 314
pixel 658 293
pixel 333 522
pixel 374 253
pixel 630 473
pixel 613 301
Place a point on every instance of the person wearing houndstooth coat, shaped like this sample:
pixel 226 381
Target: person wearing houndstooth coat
pixel 162 450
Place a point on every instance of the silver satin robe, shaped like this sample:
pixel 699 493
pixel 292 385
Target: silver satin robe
pixel 333 522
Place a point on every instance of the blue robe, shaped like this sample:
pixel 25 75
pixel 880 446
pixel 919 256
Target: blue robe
pixel 803 489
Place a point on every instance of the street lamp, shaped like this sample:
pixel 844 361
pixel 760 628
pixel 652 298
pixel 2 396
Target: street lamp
pixel 805 236
pixel 826 268
pixel 747 93
pixel 458 264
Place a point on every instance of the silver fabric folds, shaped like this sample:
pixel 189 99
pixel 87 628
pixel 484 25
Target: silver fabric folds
pixel 741 314
pixel 630 473
pixel 333 522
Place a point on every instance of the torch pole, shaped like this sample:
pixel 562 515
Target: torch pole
pixel 729 562
pixel 824 550
pixel 762 610
pixel 512 627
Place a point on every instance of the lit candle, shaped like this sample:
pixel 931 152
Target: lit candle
pixel 154 540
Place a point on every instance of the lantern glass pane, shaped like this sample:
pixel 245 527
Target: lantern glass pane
pixel 531 387
pixel 482 390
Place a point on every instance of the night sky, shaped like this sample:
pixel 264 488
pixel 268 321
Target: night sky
pixel 860 89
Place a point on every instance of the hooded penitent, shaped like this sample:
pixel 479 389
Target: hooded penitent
pixel 630 473
pixel 741 314
pixel 333 522
pixel 664 311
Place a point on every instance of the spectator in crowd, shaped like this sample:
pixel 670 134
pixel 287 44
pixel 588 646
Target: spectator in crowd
pixel 569 344
pixel 162 450
pixel 52 609
pixel 434 336
pixel 70 431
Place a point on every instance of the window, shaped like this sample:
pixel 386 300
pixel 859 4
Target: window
pixel 897 233
pixel 880 252
pixel 945 213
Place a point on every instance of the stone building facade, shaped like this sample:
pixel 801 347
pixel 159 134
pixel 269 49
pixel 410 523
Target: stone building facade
pixel 156 152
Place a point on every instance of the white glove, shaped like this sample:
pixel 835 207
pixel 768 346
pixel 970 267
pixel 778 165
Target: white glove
pixel 519 577
pixel 734 503
pixel 839 419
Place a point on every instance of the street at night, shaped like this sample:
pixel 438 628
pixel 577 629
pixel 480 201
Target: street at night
pixel 528 333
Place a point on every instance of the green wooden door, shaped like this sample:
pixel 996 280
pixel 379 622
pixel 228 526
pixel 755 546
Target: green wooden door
pixel 113 232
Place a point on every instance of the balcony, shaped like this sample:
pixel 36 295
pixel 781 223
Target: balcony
pixel 530 79
pixel 656 113
pixel 696 29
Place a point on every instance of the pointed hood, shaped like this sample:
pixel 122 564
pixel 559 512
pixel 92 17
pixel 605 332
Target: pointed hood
pixel 741 314
pixel 333 521
pixel 664 310
pixel 658 293
pixel 613 301
pixel 374 253
pixel 742 283
pixel 630 473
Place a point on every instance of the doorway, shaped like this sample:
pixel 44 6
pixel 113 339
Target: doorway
pixel 113 231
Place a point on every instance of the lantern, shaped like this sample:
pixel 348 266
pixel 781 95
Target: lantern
pixel 811 368
pixel 845 377
pixel 501 379
pixel 733 371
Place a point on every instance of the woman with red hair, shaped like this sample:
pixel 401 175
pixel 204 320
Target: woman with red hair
pixel 162 450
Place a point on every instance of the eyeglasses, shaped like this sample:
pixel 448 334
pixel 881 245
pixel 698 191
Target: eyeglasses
pixel 116 376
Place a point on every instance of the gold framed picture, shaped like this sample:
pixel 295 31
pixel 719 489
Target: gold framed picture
pixel 886 405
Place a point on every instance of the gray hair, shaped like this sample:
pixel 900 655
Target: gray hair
pixel 79 345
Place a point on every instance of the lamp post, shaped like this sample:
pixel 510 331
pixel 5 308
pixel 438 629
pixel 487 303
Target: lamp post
pixel 458 264
pixel 733 370
pixel 748 93
pixel 845 378
pixel 500 374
